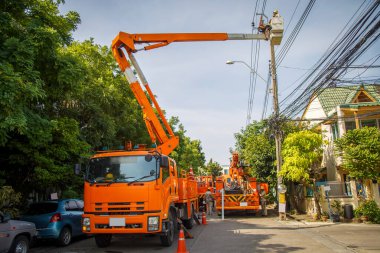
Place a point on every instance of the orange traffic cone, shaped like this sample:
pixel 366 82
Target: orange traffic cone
pixel 181 243
pixel 204 221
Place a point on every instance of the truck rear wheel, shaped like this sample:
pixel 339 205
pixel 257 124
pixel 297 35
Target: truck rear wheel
pixel 168 238
pixel 103 240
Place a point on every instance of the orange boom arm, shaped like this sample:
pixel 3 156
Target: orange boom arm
pixel 123 47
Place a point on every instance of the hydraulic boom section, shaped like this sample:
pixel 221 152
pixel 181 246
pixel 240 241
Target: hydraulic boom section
pixel 123 48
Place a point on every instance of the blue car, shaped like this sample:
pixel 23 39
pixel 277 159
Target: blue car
pixel 56 219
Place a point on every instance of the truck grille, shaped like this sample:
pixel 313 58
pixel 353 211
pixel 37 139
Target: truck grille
pixel 119 208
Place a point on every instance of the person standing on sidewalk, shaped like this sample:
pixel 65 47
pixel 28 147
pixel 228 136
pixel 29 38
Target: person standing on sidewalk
pixel 209 201
pixel 263 201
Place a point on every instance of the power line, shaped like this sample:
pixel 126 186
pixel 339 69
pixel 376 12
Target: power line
pixel 352 44
pixel 292 37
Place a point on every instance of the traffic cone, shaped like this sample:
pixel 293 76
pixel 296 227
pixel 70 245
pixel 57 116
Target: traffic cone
pixel 181 243
pixel 204 221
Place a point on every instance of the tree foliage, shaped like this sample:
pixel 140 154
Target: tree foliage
pixel 213 168
pixel 257 149
pixel 360 150
pixel 189 152
pixel 60 100
pixel 301 151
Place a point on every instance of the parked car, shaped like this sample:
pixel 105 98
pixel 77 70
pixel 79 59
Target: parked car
pixel 56 219
pixel 15 235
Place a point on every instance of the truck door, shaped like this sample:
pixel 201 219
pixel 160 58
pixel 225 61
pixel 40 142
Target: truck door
pixel 174 180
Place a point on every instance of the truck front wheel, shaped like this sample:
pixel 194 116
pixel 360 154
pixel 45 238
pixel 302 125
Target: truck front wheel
pixel 168 238
pixel 103 240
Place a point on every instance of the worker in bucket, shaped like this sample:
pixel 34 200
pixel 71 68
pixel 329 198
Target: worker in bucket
pixel 209 201
pixel 263 201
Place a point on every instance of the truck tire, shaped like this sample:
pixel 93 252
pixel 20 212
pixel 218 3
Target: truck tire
pixel 103 240
pixel 167 240
pixel 65 237
pixel 20 245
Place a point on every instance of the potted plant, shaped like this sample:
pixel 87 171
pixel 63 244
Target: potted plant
pixel 368 210
pixel 325 216
pixel 337 210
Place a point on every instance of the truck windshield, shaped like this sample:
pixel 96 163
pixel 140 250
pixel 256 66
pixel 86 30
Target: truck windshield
pixel 121 169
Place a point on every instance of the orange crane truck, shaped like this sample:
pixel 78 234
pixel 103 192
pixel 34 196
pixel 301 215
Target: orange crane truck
pixel 140 190
pixel 241 192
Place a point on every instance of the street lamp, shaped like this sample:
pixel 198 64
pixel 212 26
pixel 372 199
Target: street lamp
pixel 251 69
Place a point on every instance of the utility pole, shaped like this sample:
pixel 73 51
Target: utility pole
pixel 276 33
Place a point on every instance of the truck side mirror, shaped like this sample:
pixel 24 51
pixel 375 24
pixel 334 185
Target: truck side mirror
pixel 164 162
pixel 77 168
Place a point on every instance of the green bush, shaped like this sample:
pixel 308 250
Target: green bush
pixel 370 209
pixel 9 201
pixel 70 193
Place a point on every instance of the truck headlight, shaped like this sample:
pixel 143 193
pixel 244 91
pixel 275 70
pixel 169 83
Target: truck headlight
pixel 153 223
pixel 86 224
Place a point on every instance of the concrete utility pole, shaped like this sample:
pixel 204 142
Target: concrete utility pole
pixel 276 34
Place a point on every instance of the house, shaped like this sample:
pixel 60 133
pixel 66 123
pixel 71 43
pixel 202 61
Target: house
pixel 337 110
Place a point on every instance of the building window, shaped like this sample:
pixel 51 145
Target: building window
pixel 335 131
pixel 368 123
pixel 350 125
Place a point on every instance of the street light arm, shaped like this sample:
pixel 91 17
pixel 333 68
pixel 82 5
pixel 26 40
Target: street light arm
pixel 251 69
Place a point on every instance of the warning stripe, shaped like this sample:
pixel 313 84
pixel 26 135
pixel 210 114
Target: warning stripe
pixel 240 198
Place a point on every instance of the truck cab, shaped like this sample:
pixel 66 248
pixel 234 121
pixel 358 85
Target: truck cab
pixel 130 192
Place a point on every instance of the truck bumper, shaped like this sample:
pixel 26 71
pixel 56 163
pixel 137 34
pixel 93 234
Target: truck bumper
pixel 119 224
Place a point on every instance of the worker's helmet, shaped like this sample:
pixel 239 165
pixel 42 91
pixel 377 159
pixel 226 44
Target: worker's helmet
pixel 275 12
pixel 262 187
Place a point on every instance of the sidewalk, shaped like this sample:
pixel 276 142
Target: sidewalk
pixel 298 233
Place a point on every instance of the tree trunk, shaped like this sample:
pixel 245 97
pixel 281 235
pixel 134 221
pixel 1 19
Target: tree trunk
pixel 368 189
pixel 292 199
pixel 316 199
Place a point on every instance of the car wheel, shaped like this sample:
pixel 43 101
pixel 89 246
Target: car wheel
pixel 168 238
pixel 103 240
pixel 20 245
pixel 64 238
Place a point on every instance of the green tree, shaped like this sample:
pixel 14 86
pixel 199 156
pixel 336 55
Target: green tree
pixel 214 169
pixel 59 99
pixel 258 150
pixel 302 155
pixel 36 143
pixel 189 152
pixel 360 150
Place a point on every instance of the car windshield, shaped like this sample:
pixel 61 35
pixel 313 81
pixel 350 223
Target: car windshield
pixel 121 169
pixel 42 208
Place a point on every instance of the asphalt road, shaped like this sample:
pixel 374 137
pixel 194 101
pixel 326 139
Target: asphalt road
pixel 246 234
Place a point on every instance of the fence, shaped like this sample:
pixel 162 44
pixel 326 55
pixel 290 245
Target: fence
pixel 339 189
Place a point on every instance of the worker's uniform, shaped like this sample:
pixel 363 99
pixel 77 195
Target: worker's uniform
pixel 263 202
pixel 209 202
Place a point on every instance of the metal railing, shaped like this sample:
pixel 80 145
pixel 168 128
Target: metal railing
pixel 339 189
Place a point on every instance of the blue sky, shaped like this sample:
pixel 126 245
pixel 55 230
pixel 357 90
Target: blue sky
pixel 191 80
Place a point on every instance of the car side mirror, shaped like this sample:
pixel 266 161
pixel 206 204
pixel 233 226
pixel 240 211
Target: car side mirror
pixel 164 162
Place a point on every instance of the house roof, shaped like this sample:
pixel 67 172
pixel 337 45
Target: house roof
pixel 344 95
